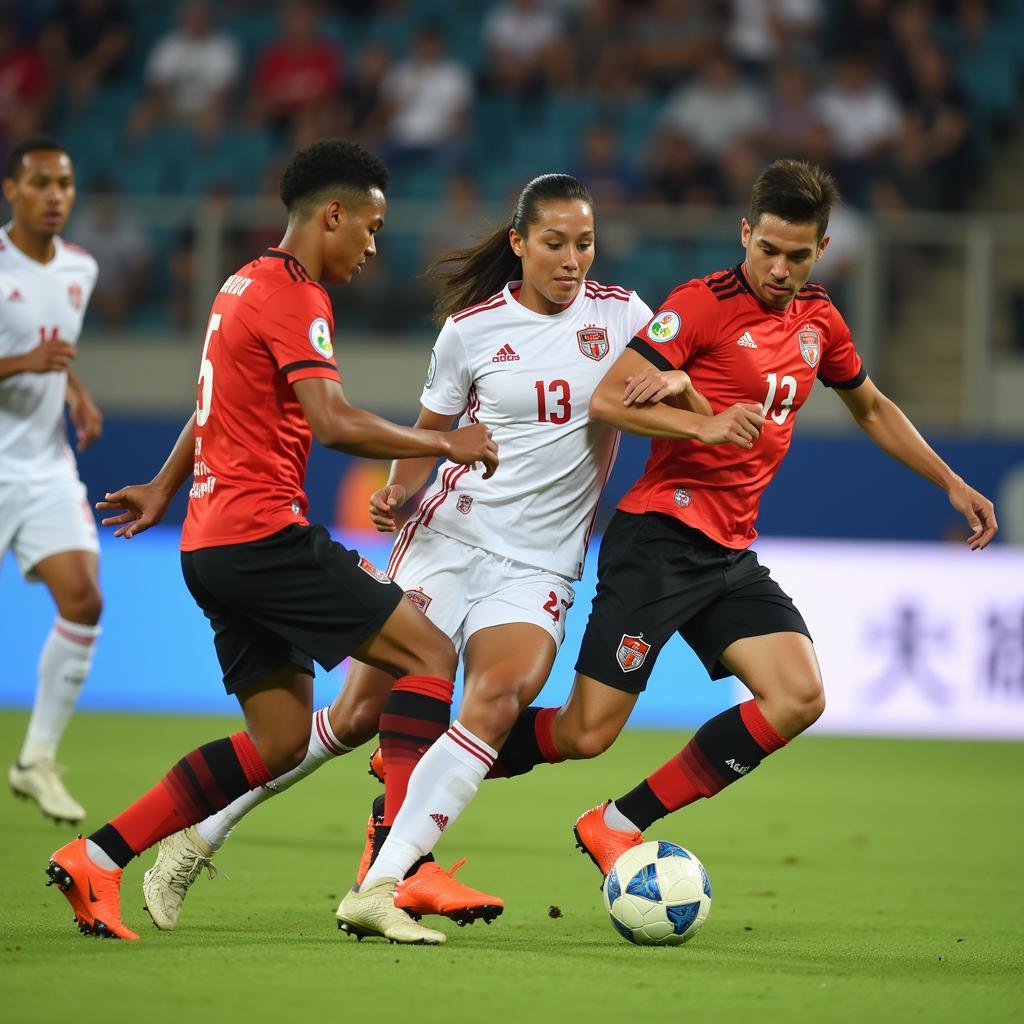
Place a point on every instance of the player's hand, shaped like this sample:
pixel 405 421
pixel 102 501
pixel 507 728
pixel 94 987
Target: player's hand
pixel 653 385
pixel 144 506
pixel 473 444
pixel 383 505
pixel 979 512
pixel 50 356
pixel 740 425
pixel 86 416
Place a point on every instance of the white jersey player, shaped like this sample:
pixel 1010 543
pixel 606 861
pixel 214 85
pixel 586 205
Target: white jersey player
pixel 524 342
pixel 45 521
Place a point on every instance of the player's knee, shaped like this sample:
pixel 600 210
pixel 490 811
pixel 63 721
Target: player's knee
pixel 283 753
pixel 435 657
pixel 587 743
pixel 358 724
pixel 491 712
pixel 82 603
pixel 805 699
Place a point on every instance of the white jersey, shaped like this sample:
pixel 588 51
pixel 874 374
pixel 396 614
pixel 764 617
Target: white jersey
pixel 529 377
pixel 38 301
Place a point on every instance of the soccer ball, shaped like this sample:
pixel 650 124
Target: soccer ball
pixel 657 894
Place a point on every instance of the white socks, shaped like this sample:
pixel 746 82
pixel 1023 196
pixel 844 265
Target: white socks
pixel 323 747
pixel 440 788
pixel 63 666
pixel 614 818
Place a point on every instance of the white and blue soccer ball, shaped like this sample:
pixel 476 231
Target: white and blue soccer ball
pixel 657 894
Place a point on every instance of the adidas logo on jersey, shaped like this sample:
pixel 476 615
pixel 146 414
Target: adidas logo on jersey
pixel 15 296
pixel 746 341
pixel 505 354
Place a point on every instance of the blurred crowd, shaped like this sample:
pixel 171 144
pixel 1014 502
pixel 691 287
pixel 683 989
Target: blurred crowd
pixel 660 101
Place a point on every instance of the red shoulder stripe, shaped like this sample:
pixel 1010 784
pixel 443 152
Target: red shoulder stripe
pixel 76 248
pixel 479 305
pixel 482 308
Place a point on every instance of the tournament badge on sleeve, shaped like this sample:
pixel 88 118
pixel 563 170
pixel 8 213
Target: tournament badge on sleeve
pixel 632 652
pixel 371 570
pixel 593 342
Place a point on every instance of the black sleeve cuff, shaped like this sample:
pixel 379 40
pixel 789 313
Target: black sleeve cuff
pixel 845 385
pixel 650 353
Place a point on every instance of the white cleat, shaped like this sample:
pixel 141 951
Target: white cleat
pixel 373 912
pixel 180 859
pixel 42 782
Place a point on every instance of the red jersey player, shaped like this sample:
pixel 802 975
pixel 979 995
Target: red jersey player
pixel 279 593
pixel 676 556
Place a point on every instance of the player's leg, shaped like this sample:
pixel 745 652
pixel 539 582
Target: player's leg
pixel 55 542
pixel 277 712
pixel 506 667
pixel 754 632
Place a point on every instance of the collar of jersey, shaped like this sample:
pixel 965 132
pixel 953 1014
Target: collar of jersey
pixel 284 254
pixel 24 257
pixel 518 308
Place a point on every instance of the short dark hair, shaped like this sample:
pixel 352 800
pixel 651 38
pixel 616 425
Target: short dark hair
pixel 330 165
pixel 797 191
pixel 33 144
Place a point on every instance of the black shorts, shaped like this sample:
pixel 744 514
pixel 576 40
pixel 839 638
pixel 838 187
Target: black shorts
pixel 292 598
pixel 657 576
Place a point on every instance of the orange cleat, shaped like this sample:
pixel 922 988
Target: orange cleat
pixel 603 845
pixel 93 892
pixel 432 890
pixel 376 768
pixel 375 819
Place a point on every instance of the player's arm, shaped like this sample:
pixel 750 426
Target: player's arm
pixel 407 476
pixel 85 414
pixel 674 387
pixel 345 427
pixel 144 505
pixel 739 424
pixel 887 425
pixel 50 356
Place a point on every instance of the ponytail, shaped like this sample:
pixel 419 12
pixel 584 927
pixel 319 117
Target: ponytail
pixel 468 276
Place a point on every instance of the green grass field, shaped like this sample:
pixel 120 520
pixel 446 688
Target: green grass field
pixel 853 880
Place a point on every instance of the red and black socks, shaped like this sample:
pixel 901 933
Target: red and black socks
pixel 725 749
pixel 200 784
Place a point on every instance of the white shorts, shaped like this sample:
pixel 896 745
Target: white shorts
pixel 463 589
pixel 45 517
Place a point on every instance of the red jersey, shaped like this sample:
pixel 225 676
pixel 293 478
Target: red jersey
pixel 737 349
pixel 270 326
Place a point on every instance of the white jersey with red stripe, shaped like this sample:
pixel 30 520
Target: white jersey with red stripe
pixel 529 377
pixel 38 301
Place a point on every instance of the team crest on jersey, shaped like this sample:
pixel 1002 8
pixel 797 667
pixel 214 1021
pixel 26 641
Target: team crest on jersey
pixel 75 296
pixel 682 497
pixel 371 570
pixel 810 345
pixel 593 342
pixel 465 503
pixel 632 652
pixel 320 337
pixel 418 598
pixel 664 327
pixel 431 370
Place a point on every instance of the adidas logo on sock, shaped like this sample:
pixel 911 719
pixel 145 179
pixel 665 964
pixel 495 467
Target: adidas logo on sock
pixel 739 769
pixel 505 354
pixel 441 820
pixel 746 341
